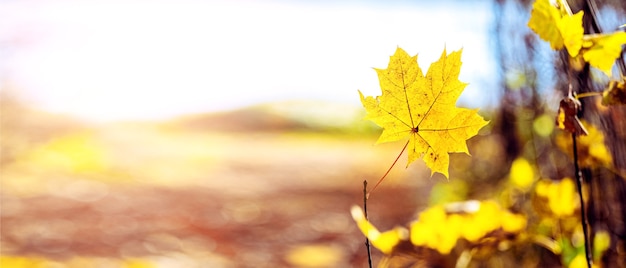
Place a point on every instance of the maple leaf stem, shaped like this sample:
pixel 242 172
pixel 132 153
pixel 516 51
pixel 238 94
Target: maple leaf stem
pixel 388 170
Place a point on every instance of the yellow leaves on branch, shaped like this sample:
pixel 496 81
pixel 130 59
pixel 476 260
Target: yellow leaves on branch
pixel 441 227
pixel 422 108
pixel 556 25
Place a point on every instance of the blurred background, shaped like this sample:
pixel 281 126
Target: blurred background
pixel 230 133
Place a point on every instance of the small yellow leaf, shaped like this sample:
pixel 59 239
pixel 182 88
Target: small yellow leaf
pixel 601 50
pixel 558 26
pixel 423 109
pixel 601 242
pixel 543 21
pixel 572 31
pixel 386 241
pixel 615 93
pixel 578 262
pixel 521 174
pixel 369 230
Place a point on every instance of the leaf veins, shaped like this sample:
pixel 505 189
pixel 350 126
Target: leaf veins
pixel 423 108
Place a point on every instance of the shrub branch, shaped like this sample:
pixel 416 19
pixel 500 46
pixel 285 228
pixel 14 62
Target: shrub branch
pixel 583 215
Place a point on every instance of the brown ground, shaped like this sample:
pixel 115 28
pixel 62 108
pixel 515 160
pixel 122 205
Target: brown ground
pixel 146 195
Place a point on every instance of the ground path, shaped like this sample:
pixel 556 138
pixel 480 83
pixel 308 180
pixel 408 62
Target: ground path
pixel 164 197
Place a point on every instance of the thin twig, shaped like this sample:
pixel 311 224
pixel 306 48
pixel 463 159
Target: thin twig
pixel 367 240
pixel 583 215
pixel 588 94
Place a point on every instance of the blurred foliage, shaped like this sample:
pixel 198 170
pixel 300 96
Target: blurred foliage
pixel 77 153
pixel 471 226
pixel 592 151
pixel 76 262
pixel 184 193
pixel 314 256
pixel 441 227
pixel 302 116
pixel 522 174
pixel 473 232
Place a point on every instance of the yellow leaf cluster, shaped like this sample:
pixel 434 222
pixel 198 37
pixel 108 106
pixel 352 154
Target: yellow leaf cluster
pixel 440 227
pixel 592 151
pixel 436 230
pixel 561 196
pixel 557 26
pixel 422 108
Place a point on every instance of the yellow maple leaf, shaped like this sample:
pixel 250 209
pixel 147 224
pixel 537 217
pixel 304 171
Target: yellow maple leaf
pixel 601 50
pixel 423 109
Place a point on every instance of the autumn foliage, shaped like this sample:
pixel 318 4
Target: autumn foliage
pixel 532 211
